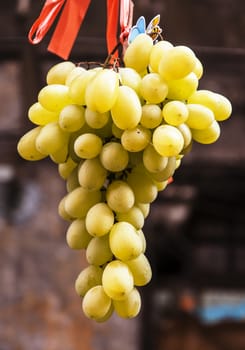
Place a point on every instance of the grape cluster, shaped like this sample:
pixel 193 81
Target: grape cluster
pixel 118 135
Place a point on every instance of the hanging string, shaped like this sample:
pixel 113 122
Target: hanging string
pixel 71 18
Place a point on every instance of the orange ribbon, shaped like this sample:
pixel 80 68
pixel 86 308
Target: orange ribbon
pixel 70 20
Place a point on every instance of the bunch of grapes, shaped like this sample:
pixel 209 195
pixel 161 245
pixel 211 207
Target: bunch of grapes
pixel 118 134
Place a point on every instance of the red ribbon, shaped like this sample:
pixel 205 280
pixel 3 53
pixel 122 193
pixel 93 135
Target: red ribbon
pixel 70 20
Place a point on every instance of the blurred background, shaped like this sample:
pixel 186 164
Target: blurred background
pixel 196 228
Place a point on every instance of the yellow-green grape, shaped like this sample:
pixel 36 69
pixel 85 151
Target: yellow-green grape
pixel 77 236
pixel 58 73
pixel 143 187
pixel 117 280
pixel 175 112
pixel 153 88
pixel 96 303
pixel 198 69
pixel 137 54
pixel 135 158
pixel 99 219
pixel 208 135
pixel 167 140
pixel 125 241
pixel 114 157
pixel 60 156
pixel 87 145
pixel 38 115
pixel 143 239
pixel 54 97
pixel 92 174
pixel 134 216
pixel 177 62
pixel 88 278
pixel 167 172
pixel 161 185
pixel 119 196
pixel 78 85
pixel 131 78
pixel 98 251
pixel 224 108
pixel 151 116
pixel 157 52
pixel 79 201
pixel 144 207
pixel 186 133
pixel 51 138
pixel 62 211
pixel 72 118
pixel 141 270
pixel 126 111
pixel 105 90
pixel 136 139
pixel 106 131
pixel 181 89
pixel 65 169
pixel 96 119
pixel 107 315
pixel 199 117
pixel 26 146
pixel 152 160
pixel 72 181
pixel 75 72
pixel 130 306
pixel 116 131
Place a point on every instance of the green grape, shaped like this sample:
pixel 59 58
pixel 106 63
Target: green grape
pixel 106 131
pixel 130 306
pixel 157 52
pixel 96 303
pixel 152 160
pixel 175 112
pixel 62 210
pixel 125 241
pixel 126 111
pixel 117 280
pixel 77 236
pixel 119 196
pixel 224 108
pixel 74 73
pixel 151 116
pixel 88 278
pixel 199 117
pixel 135 158
pixel 161 185
pixel 181 89
pixel 59 72
pixel 60 156
pixel 65 169
pixel 130 77
pixel 98 251
pixel 92 174
pixel 79 201
pixel 72 118
pixel 51 138
pixel 114 157
pixel 208 135
pixel 79 84
pixel 144 207
pixel 137 54
pixel 167 140
pixel 38 115
pixel 96 119
pixel 116 131
pixel 143 187
pixel 141 270
pixel 186 133
pixel 167 172
pixel 133 216
pixel 198 69
pixel 177 62
pixel 72 180
pixel 99 219
pixel 26 146
pixel 153 88
pixel 136 139
pixel 143 239
pixel 104 90
pixel 54 97
pixel 87 145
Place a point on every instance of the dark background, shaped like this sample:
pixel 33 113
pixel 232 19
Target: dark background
pixel 196 229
